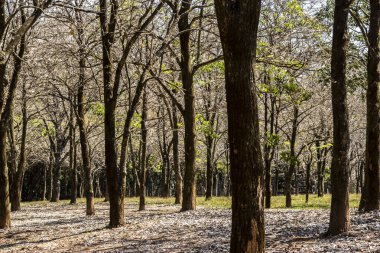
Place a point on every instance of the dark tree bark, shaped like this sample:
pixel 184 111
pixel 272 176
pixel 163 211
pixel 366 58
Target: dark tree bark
pixel 371 197
pixel 143 160
pixel 114 178
pixel 189 183
pixel 238 25
pixel 340 172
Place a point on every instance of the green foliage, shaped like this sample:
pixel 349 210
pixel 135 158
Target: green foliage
pixel 136 121
pixel 215 66
pixel 271 140
pixel 204 126
pixel 288 158
pixel 97 109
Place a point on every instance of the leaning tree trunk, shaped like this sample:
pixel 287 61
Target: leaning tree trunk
pixel 371 198
pixel 238 25
pixel 340 172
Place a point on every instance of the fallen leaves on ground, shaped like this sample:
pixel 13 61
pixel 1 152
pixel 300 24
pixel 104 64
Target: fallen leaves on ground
pixel 52 227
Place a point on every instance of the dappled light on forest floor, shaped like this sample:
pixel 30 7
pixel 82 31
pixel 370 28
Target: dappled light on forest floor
pixel 48 227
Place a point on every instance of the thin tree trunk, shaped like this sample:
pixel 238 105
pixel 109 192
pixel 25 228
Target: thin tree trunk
pixel 177 170
pixel 73 165
pixel 292 158
pixel 144 132
pixel 5 212
pixel 308 170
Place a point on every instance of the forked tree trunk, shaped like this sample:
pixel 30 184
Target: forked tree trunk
pixel 114 177
pixel 340 172
pixel 238 25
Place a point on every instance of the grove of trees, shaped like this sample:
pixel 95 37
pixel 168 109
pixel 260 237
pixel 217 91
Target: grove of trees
pixel 243 98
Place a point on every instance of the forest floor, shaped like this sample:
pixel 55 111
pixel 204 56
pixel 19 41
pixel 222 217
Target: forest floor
pixel 59 227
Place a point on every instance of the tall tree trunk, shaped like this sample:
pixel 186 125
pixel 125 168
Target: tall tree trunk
pixel 89 191
pixel 340 172
pixel 238 25
pixel 144 132
pixel 371 198
pixel 189 183
pixel 114 177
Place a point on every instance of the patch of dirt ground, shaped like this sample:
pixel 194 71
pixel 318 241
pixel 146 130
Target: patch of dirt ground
pixel 162 228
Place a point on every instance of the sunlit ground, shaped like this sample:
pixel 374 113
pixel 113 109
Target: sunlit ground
pixel 298 201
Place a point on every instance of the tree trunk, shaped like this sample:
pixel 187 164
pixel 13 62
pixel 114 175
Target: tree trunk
pixel 144 132
pixel 340 215
pixel 308 170
pixel 371 198
pixel 89 191
pixel 209 168
pixel 17 180
pixel 73 166
pixel 238 25
pixel 189 184
pixel 177 170
pixel 292 158
pixel 5 212
pixel 56 188
pixel 50 177
pixel 114 177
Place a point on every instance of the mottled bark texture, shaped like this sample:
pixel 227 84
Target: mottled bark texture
pixel 340 172
pixel 238 25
